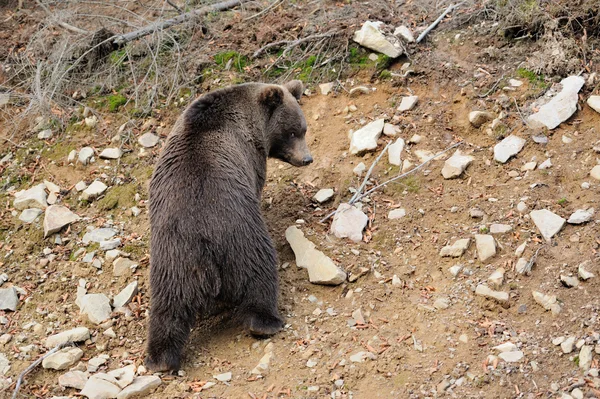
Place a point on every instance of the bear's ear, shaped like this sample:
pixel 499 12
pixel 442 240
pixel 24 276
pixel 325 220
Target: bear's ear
pixel 271 96
pixel 295 87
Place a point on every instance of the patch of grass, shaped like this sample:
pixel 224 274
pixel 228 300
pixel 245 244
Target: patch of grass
pixel 60 151
pixel 484 230
pixel 118 196
pixel 307 68
pixel 535 79
pixel 412 184
pixel 358 56
pixel 576 360
pixel 118 57
pixel 115 101
pixel 239 61
pixel 562 202
pixel 385 74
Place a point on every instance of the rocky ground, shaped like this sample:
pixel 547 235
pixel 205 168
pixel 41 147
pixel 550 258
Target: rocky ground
pixel 474 276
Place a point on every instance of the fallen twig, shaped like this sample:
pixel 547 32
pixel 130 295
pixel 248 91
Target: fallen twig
pixel 520 114
pixel 292 43
pixel 162 25
pixel 435 23
pixel 361 196
pixel 60 23
pixel 266 10
pixel 169 2
pixel 34 365
pixel 492 89
pixel 364 183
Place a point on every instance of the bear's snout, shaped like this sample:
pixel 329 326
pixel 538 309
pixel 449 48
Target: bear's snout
pixel 307 160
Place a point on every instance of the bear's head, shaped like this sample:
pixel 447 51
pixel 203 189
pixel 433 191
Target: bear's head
pixel 286 126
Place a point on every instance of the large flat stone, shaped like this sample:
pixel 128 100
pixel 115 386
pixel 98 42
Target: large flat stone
pixel 561 107
pixel 140 387
pixel 507 148
pixel 349 222
pixel 456 165
pixel 57 217
pixel 370 37
pixel 35 197
pixel 78 334
pixel 365 139
pixel 548 223
pixel 486 246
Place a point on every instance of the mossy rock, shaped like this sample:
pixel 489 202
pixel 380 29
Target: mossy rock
pixel 118 196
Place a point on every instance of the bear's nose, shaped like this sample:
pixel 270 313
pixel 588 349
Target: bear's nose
pixel 307 160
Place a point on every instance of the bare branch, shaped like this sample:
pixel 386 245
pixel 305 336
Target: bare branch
pixel 292 43
pixel 60 23
pixel 435 23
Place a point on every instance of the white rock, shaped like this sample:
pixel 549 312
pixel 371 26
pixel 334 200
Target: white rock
pixel 486 246
pixel 370 37
pixel 522 207
pixel 521 266
pixel 506 347
pixel 91 121
pixel 561 107
pixel 110 244
pixel 123 267
pixel 548 223
pixel 548 302
pixel 225 377
pixel 456 165
pixel 63 359
pixel 396 213
pixel 365 139
pixel 29 215
pixel 8 299
pixel 529 166
pixel 78 334
pixel 583 273
pixel 148 140
pixel 80 186
pixel 94 190
pixel 408 103
pixel 520 249
pixel 487 292
pixel 323 195
pixel 594 103
pixel 321 269
pixel 390 130
pixel 395 152
pixel 454 270
pixel 360 357
pixel 595 172
pixel 349 222
pixel 126 295
pixel 140 387
pixel 496 278
pixel 567 345
pixel 45 134
pixel 585 357
pixel 457 249
pixel 98 235
pixel 96 307
pixel 424 155
pixel 406 34
pixel 511 357
pixel 478 118
pixel 406 165
pixel 57 217
pixel 496 228
pixel 515 82
pixel 359 169
pixel 100 386
pixel 35 197
pixel 111 153
pixel 85 154
pixel 263 364
pixel 569 281
pixel 73 379
pixel 51 187
pixel 124 375
pixel 326 88
pixel 508 147
pixel 4 364
pixel 581 216
pixel 72 155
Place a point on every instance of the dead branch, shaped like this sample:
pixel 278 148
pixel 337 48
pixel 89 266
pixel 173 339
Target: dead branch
pixel 179 10
pixel 60 23
pixel 266 10
pixel 413 170
pixel 120 40
pixel 435 23
pixel 293 43
pixel 35 364
pixel 364 183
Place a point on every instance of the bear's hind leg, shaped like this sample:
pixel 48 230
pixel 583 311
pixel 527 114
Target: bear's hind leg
pixel 260 310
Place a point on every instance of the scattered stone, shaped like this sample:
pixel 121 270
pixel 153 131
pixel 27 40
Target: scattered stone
pixel 506 347
pixel 406 34
pixel 594 103
pixel 78 334
pixel 424 155
pixel 123 267
pixel 124 376
pixel 321 269
pixel 561 107
pixel 457 249
pixel 57 217
pixel 141 386
pixel 72 155
pixel 80 186
pixel 135 211
pixel 522 207
pixel 496 279
pixel 358 90
pixel 442 303
pixel 91 121
pixel 486 246
pixel 360 357
pixel 595 172
pixel 4 364
pixel 515 82
pixel 5 338
pixel 487 292
pixel 497 228
pixel 35 197
pixel 98 235
pixel 528 166
pixel 359 169
pixel 415 139
pixel 110 244
pixel 225 377
pixel 585 357
pixel 507 148
pixel 548 223
pixel 126 295
pixel 63 359
pixel 365 139
pixel 323 195
pixel 45 134
pixel 478 118
pixel 396 213
pixel 349 222
pixel 263 364
pixel 520 249
pixel 390 130
pixel 476 213
pixel 110 333
pixel 408 103
pixel 326 88
pixel 568 345
pixel 85 155
pixel 522 266
pixel 111 153
pixel 96 307
pixel 548 302
pixel 358 317
pixel 456 165
pixel 584 274
pixel 454 270
pixel 511 357
pixel 547 164
pixel 100 386
pixel 8 299
pixel 395 152
pixel 406 165
pixel 443 386
pixel 148 140
pixel 581 216
pixel 29 215
pixel 73 379
pixel 370 37
pixel 569 281
pixel 94 190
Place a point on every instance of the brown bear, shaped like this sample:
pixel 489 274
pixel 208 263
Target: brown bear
pixel 209 242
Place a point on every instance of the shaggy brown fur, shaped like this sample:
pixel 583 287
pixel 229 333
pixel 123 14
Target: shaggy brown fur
pixel 209 241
